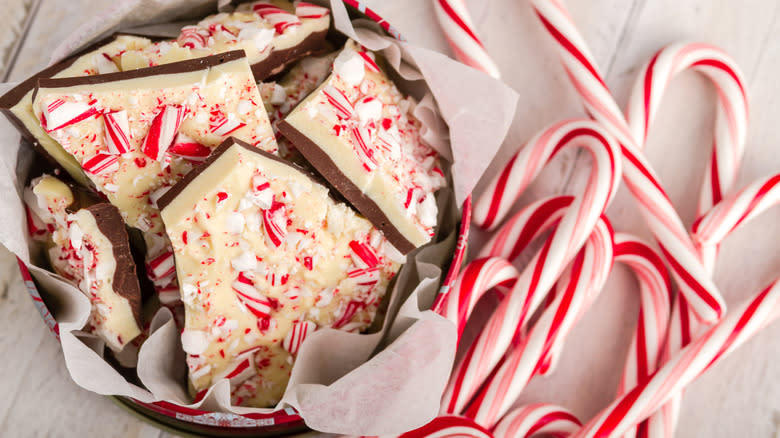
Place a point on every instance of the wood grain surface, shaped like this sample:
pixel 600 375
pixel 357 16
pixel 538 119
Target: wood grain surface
pixel 738 397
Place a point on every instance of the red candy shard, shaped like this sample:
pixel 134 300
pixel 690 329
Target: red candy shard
pixel 249 296
pixel 370 63
pixel 277 17
pixel 388 142
pixel 101 164
pixel 35 226
pixel 365 276
pixel 275 223
pixel 339 101
pixel 224 126
pixel 161 266
pixel 363 255
pixel 353 307
pixel 364 151
pixel 238 369
pixel 295 337
pixel 117 132
pixel 163 131
pixel 308 10
pixel 59 114
pixel 192 37
pixel 185 147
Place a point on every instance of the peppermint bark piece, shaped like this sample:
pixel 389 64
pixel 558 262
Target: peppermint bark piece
pixel 274 34
pixel 265 257
pixel 282 97
pixel 16 104
pixel 358 131
pixel 90 248
pixel 137 133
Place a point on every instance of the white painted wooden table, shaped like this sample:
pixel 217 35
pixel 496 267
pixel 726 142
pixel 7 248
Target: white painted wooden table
pixel 738 397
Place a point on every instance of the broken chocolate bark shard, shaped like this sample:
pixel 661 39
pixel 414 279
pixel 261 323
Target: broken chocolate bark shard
pixel 273 35
pixel 264 257
pixel 360 133
pixel 16 104
pixel 352 193
pixel 138 132
pixel 90 248
pixel 279 60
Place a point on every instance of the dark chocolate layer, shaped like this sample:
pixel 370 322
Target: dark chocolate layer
pixel 110 223
pixel 328 169
pixel 278 60
pixel 165 69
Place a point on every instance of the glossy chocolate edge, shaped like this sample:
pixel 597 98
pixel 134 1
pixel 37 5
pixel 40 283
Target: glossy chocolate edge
pixel 109 222
pixel 279 60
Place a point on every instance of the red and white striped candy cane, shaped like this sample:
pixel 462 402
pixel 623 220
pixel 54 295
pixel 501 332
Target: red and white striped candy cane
pixel 537 419
pixel 735 210
pixel 559 249
pixel 692 277
pixel 516 235
pixel 517 232
pixel 655 303
pixel 732 109
pixel 689 264
pixel 477 278
pixel 493 267
pixel 732 331
pixel 728 142
pixel 456 23
pixel 707 233
pixel 728 148
pixel 449 426
pixel 649 336
pixel 589 271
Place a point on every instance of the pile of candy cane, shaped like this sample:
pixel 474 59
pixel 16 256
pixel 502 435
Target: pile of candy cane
pixel 675 339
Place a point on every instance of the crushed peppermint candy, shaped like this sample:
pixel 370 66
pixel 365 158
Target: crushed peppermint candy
pixel 360 108
pixel 287 272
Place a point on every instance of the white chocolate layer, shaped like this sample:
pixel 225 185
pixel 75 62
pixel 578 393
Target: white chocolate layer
pixel 366 127
pixel 260 248
pixel 222 92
